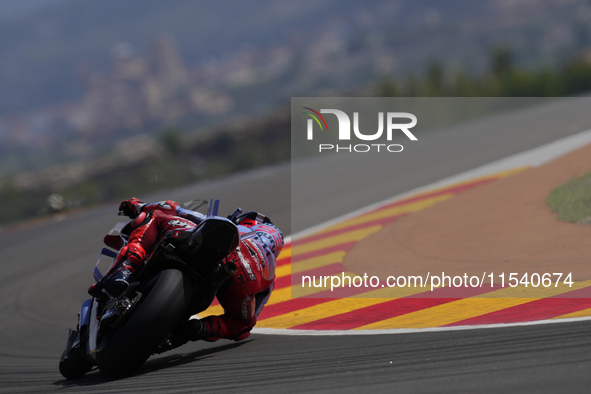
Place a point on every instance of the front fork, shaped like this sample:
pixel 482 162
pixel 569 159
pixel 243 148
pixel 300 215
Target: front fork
pixel 80 336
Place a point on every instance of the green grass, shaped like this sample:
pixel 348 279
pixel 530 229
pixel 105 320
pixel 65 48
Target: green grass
pixel 572 201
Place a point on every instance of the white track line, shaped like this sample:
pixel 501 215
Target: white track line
pixel 533 157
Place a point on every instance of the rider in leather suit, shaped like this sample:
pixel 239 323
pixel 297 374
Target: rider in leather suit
pixel 242 297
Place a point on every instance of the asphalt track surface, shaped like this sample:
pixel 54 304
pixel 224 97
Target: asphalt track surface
pixel 45 269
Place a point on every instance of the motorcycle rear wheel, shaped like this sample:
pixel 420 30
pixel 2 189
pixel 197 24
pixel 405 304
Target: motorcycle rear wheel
pixel 155 317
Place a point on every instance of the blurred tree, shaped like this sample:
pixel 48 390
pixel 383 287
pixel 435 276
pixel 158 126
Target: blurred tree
pixel 387 88
pixel 435 78
pixel 577 77
pixel 501 63
pixel 223 143
pixel 172 139
pixel 412 87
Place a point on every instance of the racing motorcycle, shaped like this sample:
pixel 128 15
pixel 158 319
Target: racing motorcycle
pixel 180 278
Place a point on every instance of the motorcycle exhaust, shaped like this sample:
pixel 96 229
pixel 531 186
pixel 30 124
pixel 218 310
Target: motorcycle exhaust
pixel 224 274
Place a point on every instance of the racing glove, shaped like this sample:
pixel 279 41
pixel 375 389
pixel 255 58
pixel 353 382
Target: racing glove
pixel 131 208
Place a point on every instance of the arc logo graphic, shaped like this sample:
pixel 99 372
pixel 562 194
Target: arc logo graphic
pixel 316 119
pixel 344 132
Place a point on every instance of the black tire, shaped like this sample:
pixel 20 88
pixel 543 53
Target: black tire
pixel 153 319
pixel 72 364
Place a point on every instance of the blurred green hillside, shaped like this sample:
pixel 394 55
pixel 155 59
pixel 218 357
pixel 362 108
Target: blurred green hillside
pixel 100 100
pixel 175 158
pixel 78 77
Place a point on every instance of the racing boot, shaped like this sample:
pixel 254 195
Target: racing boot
pixel 213 328
pixel 191 330
pixel 194 330
pixel 114 283
pixel 227 327
pixel 210 329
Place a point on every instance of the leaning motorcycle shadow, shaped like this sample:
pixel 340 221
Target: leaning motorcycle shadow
pixel 182 359
pixel 94 377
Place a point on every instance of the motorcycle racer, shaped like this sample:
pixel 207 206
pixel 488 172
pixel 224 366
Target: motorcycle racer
pixel 243 296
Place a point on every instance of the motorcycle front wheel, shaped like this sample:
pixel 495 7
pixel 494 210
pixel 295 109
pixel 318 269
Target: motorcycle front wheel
pixel 152 320
pixel 73 365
